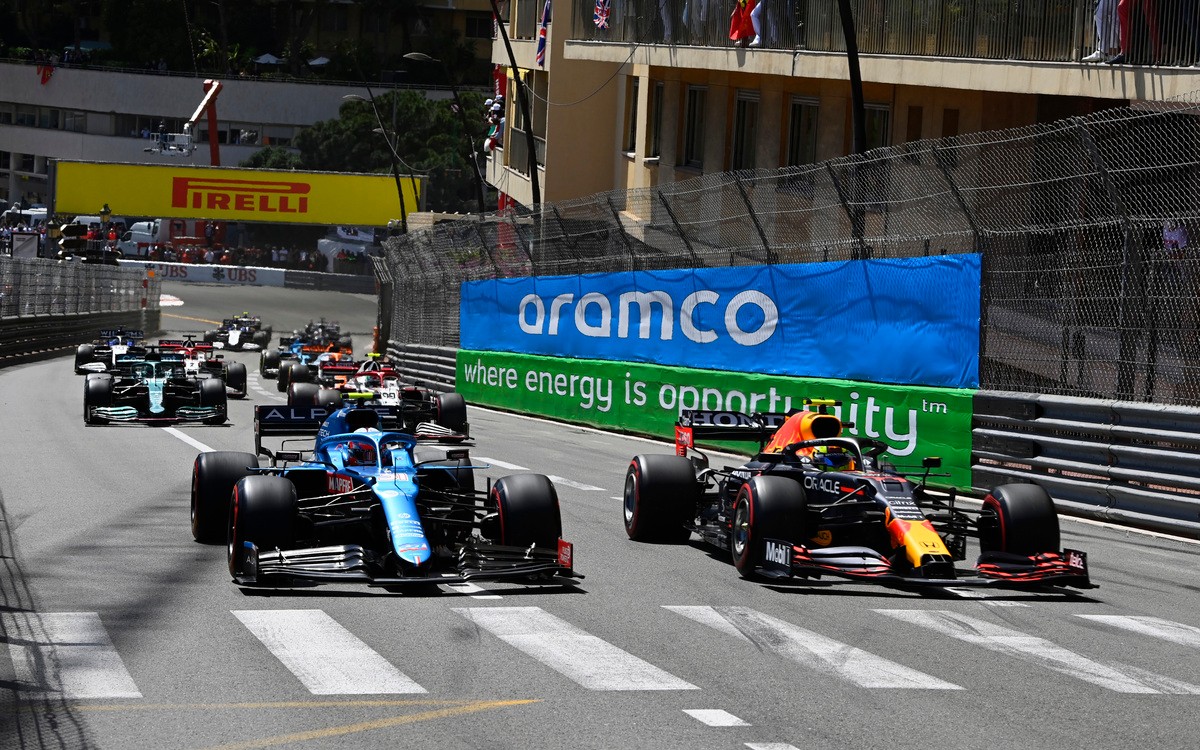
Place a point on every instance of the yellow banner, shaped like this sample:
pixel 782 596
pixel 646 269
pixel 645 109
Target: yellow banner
pixel 230 194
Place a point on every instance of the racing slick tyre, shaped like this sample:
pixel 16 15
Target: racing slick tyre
pixel 345 341
pixel 1022 521
pixel 212 393
pixel 269 361
pixel 329 399
pixel 262 511
pixel 661 493
pixel 302 394
pixel 97 391
pixel 84 355
pixel 766 506
pixel 451 409
pixel 301 374
pixel 526 507
pixel 210 337
pixel 262 338
pixel 213 476
pixel 235 379
pixel 285 376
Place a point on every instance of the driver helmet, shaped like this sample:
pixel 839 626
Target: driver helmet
pixel 360 454
pixel 832 458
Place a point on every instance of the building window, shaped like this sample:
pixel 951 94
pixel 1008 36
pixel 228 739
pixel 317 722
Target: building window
pixel 375 21
pixel 76 122
pixel 878 125
pixel 915 116
pixel 6 115
pixel 693 127
pixel 27 163
pixel 5 159
pixel 802 132
pixel 337 18
pixel 48 118
pixel 631 115
pixel 949 123
pixel 479 26
pixel 745 130
pixel 27 116
pixel 654 122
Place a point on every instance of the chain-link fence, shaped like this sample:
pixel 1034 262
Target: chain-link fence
pixel 36 288
pixel 1089 284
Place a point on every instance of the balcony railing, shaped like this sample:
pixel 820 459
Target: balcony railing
pixel 517 147
pixel 1034 30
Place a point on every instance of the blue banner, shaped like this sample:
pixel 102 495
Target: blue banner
pixel 910 321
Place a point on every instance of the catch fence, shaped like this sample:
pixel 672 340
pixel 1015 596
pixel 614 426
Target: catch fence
pixel 1086 291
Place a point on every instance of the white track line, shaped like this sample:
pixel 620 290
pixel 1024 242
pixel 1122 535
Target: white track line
pixel 66 655
pixel 324 656
pixel 715 717
pixel 1156 627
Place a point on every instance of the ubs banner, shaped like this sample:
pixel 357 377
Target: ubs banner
pixel 230 194
pixel 908 321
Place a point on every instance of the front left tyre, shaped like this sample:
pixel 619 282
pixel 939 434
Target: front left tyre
pixel 97 391
pixel 660 498
pixel 84 354
pixel 526 511
pixel 212 393
pixel 766 507
pixel 1019 519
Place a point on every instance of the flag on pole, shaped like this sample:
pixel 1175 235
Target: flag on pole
pixel 600 16
pixel 541 48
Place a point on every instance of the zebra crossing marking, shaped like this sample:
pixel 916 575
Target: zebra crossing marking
pixel 326 657
pixel 1156 627
pixel 66 655
pixel 583 658
pixel 812 649
pixel 556 479
pixel 1039 651
pixel 715 717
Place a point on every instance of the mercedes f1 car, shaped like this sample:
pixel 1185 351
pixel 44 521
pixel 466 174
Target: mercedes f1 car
pixel 101 354
pixel 371 506
pixel 152 389
pixel 199 361
pixel 815 503
pixel 244 332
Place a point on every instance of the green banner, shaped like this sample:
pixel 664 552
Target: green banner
pixel 916 421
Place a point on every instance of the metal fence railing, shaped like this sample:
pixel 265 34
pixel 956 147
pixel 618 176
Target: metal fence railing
pixel 1085 292
pixel 1154 32
pixel 37 288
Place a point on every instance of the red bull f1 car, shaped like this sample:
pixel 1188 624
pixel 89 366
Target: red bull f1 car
pixel 815 503
pixel 365 505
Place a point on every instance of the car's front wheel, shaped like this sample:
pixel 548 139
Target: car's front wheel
pixel 766 507
pixel 262 512
pixel 213 476
pixel 1019 519
pixel 660 498
pixel 526 511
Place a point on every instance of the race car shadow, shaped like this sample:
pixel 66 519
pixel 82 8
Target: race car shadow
pixel 415 591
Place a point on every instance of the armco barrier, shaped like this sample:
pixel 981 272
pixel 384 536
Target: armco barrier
pixel 1127 462
pixel 27 340
pixel 331 282
pixel 431 367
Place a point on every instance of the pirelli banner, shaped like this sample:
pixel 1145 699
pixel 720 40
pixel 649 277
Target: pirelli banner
pixel 231 194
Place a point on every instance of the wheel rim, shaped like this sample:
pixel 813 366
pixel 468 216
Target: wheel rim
pixel 630 499
pixel 741 528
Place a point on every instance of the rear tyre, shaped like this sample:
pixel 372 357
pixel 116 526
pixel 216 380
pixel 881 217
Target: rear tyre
pixel 84 355
pixel 526 507
pixel 213 477
pixel 766 506
pixel 285 376
pixel 451 411
pixel 329 399
pixel 262 338
pixel 1022 521
pixel 212 393
pixel 262 511
pixel 235 379
pixel 302 394
pixel 269 361
pixel 97 391
pixel 661 494
pixel 301 374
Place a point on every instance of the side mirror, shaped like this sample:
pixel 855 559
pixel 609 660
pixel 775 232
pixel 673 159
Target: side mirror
pixel 287 456
pixel 932 462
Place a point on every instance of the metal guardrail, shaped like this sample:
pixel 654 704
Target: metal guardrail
pixel 28 340
pixel 1126 462
pixel 334 282
pixel 432 367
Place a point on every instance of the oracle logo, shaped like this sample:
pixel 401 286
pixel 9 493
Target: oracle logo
pixel 258 196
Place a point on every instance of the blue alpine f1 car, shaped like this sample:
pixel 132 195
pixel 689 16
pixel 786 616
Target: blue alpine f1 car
pixel 378 507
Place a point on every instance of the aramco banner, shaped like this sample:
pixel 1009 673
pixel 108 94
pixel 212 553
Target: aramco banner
pixel 229 194
pixel 909 321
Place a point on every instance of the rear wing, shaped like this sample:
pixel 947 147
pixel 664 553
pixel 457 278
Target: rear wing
pixel 122 333
pixel 694 426
pixel 298 421
pixel 171 344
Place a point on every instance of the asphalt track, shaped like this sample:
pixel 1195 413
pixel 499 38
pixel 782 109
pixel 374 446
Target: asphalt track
pixel 121 632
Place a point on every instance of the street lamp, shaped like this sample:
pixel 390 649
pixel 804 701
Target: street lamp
pixel 395 156
pixel 422 57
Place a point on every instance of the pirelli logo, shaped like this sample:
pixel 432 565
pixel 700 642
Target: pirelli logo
pixel 259 196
